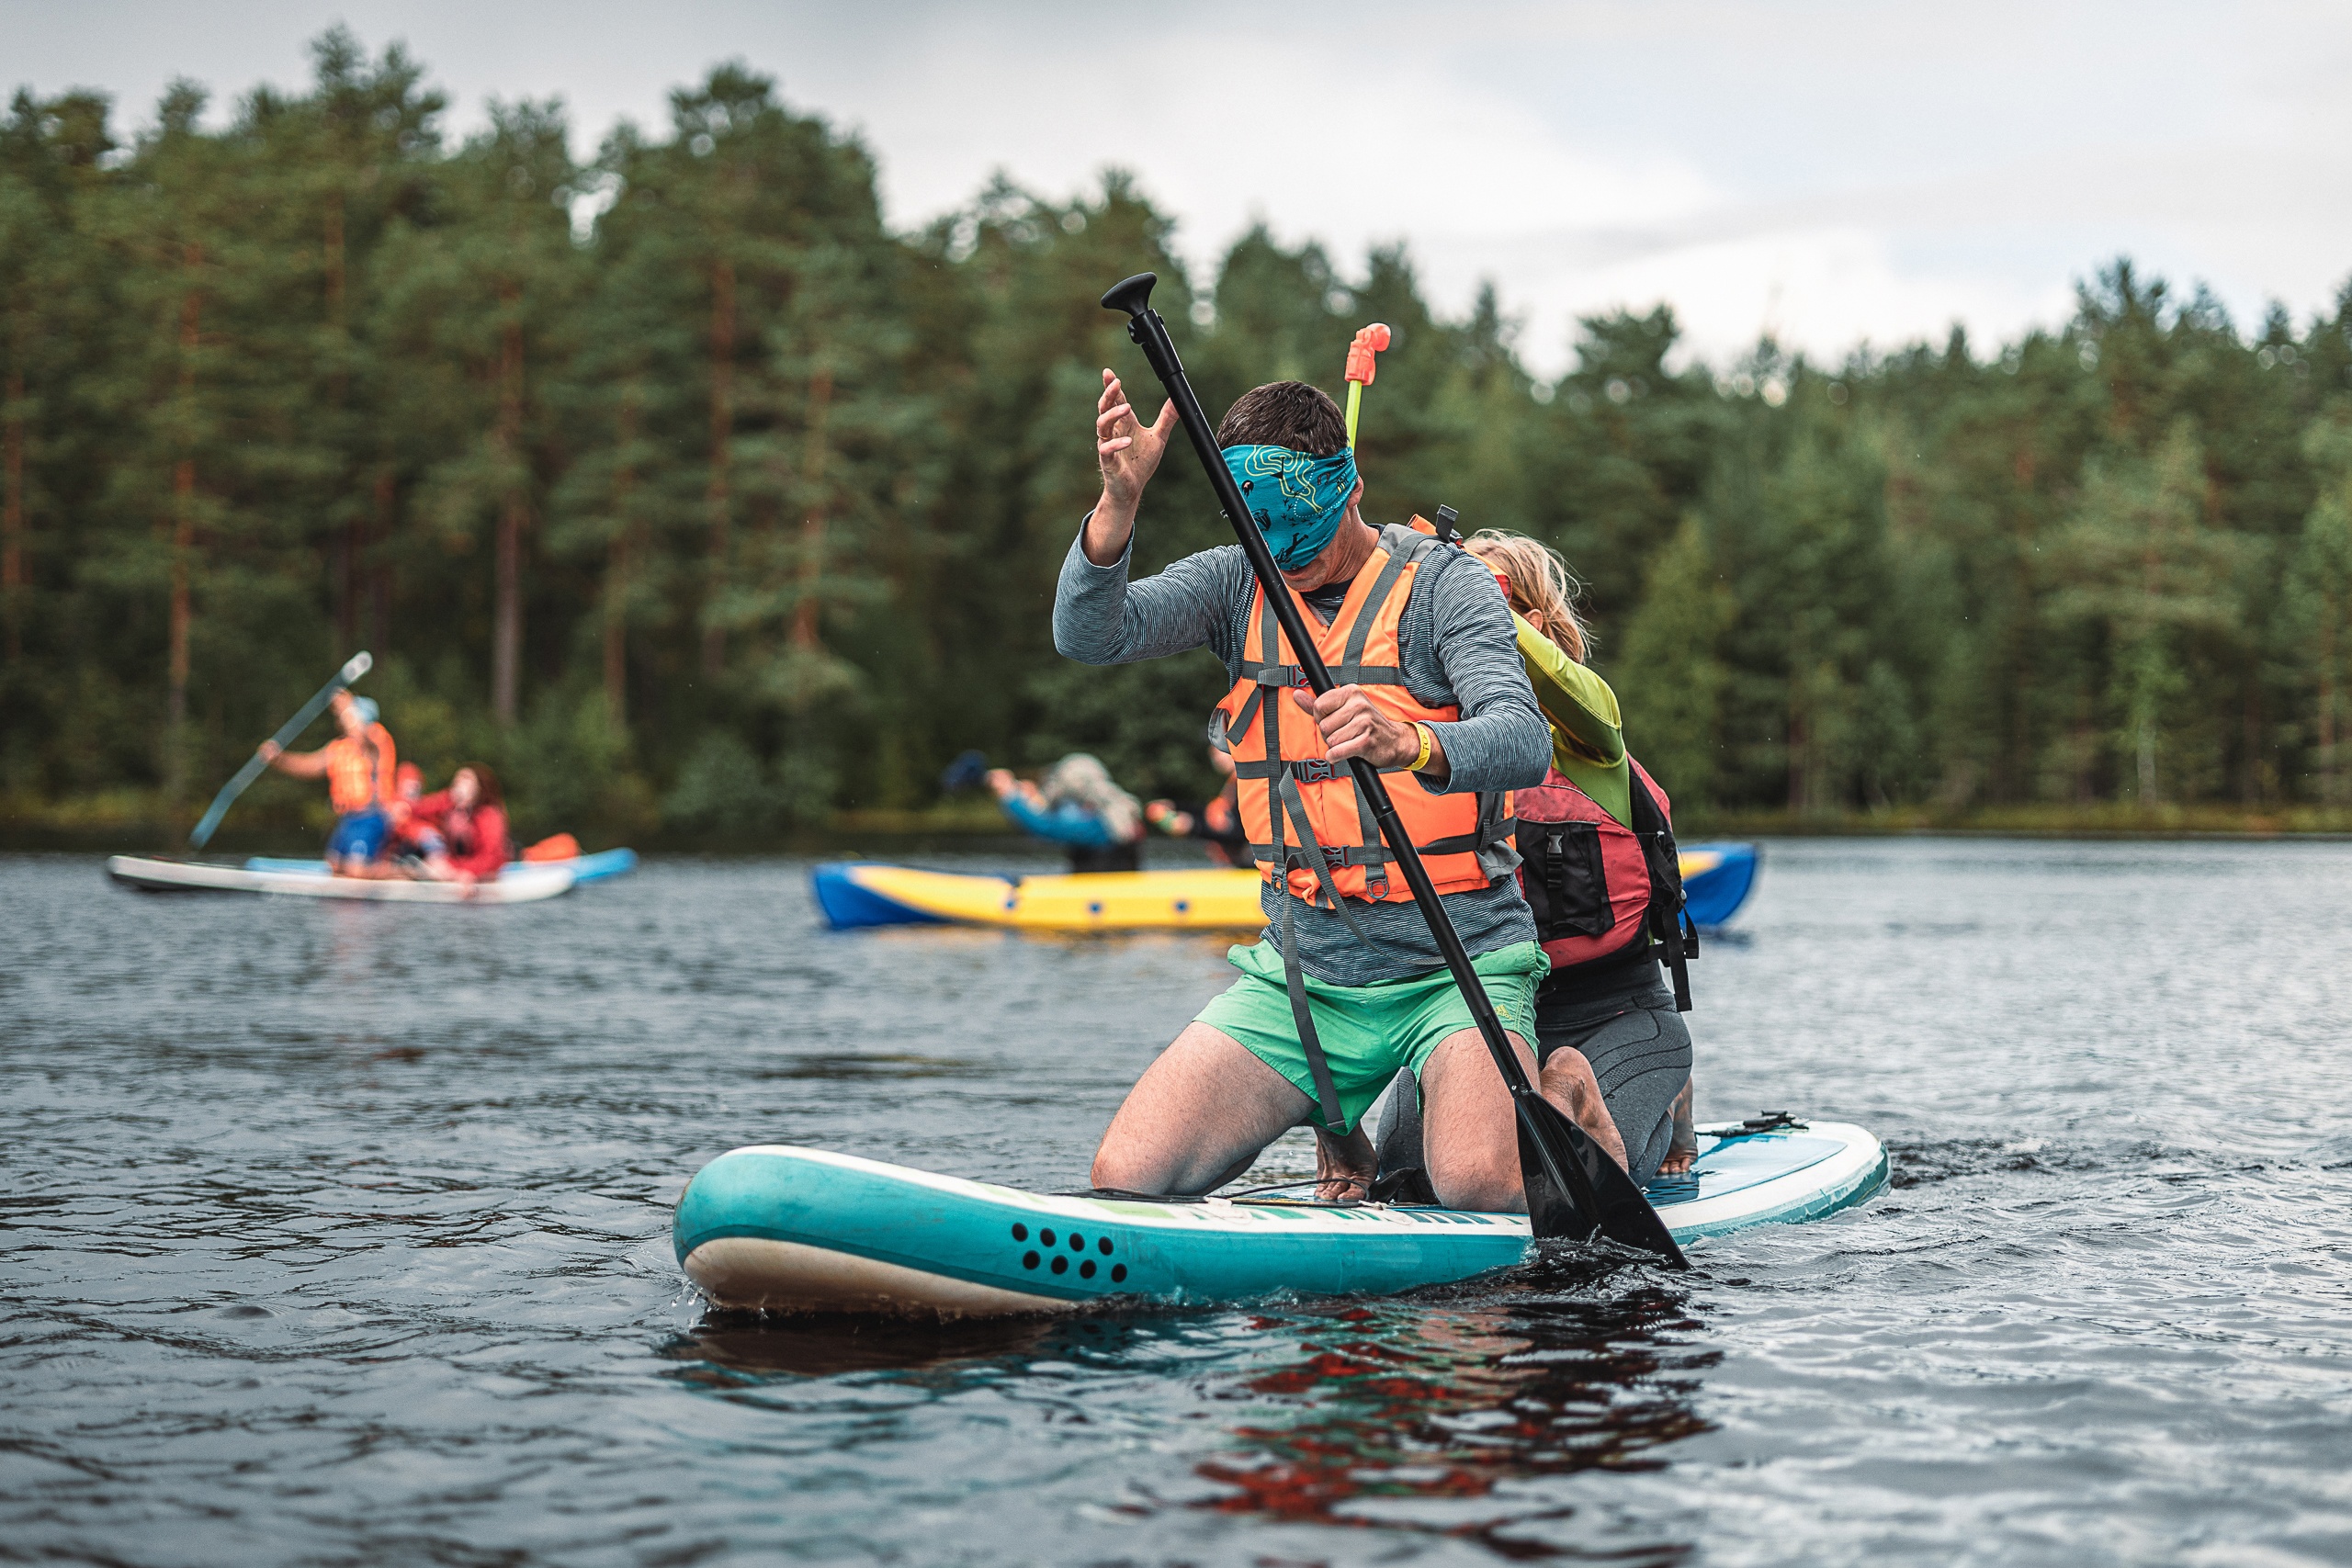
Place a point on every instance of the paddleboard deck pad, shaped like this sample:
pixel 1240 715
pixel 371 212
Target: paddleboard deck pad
pixel 518 885
pixel 779 1228
pixel 853 894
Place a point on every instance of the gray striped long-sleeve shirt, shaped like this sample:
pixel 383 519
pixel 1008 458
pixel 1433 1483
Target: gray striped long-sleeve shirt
pixel 1457 650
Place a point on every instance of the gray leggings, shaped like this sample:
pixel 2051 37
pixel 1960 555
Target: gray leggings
pixel 1639 1054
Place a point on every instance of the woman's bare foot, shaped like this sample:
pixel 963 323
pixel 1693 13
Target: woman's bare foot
pixel 1685 1146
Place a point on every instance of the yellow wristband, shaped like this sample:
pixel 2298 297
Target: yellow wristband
pixel 1429 744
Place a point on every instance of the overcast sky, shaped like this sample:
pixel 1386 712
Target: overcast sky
pixel 1831 171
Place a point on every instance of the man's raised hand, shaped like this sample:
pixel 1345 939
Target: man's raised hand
pixel 1128 450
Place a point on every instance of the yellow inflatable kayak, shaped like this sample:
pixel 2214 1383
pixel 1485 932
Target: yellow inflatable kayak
pixel 1715 878
pixel 1210 898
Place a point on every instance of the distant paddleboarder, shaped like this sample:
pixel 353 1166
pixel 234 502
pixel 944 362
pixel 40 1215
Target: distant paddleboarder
pixel 359 767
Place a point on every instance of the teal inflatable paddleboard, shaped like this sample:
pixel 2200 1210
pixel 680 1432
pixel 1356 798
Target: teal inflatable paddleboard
pixel 787 1229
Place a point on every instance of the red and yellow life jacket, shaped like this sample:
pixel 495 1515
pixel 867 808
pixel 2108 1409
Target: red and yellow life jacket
pixel 1304 820
pixel 1607 896
pixel 1586 874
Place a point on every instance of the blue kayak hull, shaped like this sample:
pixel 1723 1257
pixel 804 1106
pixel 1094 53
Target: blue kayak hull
pixel 1713 895
pixel 780 1228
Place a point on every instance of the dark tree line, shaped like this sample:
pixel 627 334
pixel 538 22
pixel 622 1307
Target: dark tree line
pixel 680 485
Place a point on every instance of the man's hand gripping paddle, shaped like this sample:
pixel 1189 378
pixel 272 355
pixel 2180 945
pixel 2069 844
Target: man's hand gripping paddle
pixel 1573 1189
pixel 359 665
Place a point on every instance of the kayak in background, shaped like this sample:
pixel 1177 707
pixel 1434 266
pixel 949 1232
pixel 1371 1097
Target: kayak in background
pixel 516 885
pixel 779 1228
pixel 1715 880
pixel 599 867
pixel 1210 898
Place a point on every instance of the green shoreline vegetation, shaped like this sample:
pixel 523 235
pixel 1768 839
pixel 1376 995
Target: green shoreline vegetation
pixel 680 487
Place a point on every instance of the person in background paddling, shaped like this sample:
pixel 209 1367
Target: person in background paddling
pixel 1597 901
pixel 1217 824
pixel 358 766
pixel 1347 986
pixel 462 829
pixel 1076 804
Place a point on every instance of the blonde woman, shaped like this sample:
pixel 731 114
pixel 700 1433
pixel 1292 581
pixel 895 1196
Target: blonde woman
pixel 1075 804
pixel 1601 874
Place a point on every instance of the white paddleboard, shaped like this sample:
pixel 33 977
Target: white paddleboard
pixel 516 885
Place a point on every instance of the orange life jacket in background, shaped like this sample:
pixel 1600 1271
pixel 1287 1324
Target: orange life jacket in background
pixel 359 773
pixel 1304 820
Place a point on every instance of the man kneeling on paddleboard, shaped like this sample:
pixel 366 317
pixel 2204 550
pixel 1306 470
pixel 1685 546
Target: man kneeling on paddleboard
pixel 1348 986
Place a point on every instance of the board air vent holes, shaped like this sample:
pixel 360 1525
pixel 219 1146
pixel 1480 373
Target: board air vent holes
pixel 1077 1243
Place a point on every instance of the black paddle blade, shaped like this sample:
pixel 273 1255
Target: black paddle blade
pixel 1602 1196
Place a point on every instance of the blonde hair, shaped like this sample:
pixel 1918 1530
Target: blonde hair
pixel 1540 584
pixel 1085 780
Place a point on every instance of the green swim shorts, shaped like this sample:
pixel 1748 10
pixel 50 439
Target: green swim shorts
pixel 1369 1032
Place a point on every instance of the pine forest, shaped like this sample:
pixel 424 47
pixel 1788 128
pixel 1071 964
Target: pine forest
pixel 682 488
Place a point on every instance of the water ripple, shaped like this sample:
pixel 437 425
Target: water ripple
pixel 339 1235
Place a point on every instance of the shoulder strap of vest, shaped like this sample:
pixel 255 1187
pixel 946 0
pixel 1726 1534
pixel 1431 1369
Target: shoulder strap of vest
pixel 1668 921
pixel 1352 671
pixel 1408 544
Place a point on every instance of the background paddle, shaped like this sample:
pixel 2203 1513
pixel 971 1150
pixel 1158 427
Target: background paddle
pixel 1573 1189
pixel 359 665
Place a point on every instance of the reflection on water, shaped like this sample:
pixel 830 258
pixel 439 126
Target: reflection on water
pixel 1388 1402
pixel 736 1349
pixel 1346 1414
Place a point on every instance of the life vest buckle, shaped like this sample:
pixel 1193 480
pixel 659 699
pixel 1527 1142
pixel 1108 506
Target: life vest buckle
pixel 1317 769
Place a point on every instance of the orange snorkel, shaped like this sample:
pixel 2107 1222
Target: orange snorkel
pixel 1369 342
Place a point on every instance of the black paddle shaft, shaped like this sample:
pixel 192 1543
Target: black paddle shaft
pixel 1563 1154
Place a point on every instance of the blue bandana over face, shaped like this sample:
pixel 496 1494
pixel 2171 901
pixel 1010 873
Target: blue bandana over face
pixel 1297 501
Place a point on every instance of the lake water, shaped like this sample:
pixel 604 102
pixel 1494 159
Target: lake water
pixel 340 1234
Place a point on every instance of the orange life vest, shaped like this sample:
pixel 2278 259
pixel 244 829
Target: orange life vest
pixel 1300 811
pixel 359 773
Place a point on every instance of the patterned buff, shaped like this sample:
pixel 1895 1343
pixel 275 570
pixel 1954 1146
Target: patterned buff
pixel 1298 501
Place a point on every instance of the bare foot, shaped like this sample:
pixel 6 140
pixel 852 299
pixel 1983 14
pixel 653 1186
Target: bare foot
pixel 1685 1146
pixel 1343 1169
